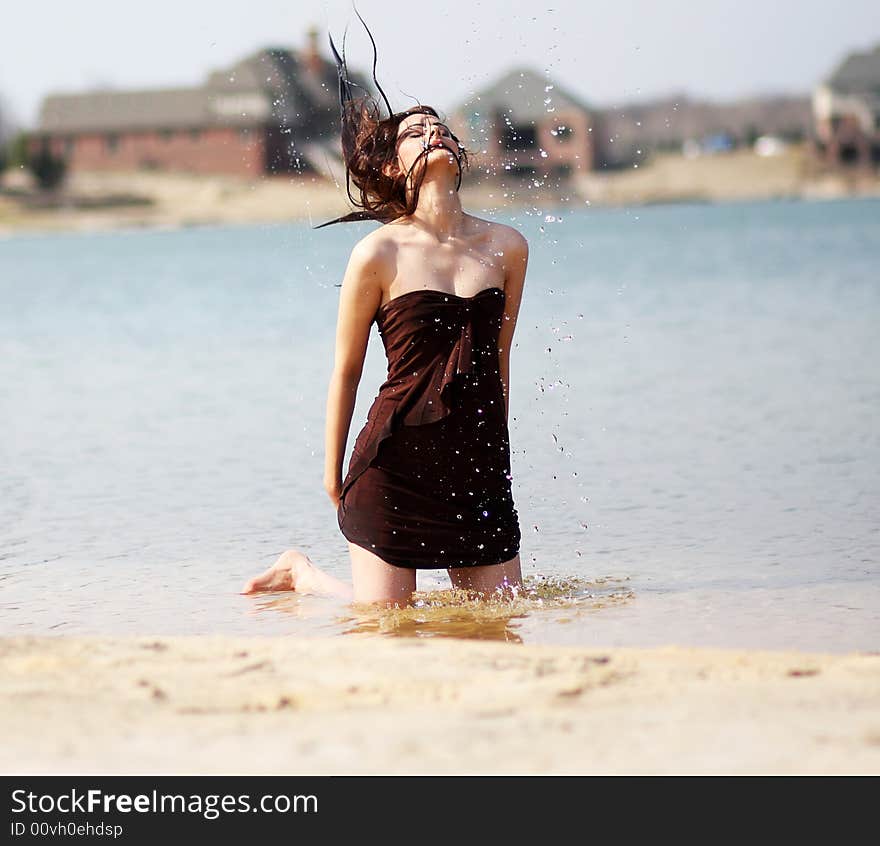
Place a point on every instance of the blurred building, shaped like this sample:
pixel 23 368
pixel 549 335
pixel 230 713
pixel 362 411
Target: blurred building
pixel 525 126
pixel 846 110
pixel 692 126
pixel 275 111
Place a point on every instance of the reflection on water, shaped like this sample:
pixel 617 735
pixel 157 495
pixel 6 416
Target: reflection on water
pixel 543 603
pixel 462 614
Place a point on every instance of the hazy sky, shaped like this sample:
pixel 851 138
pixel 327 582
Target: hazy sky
pixel 608 53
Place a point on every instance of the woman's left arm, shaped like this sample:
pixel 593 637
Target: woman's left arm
pixel 516 259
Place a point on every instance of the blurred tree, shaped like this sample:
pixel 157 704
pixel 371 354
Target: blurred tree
pixel 6 131
pixel 752 134
pixel 16 150
pixel 48 168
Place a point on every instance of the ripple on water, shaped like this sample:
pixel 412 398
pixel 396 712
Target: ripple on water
pixel 460 613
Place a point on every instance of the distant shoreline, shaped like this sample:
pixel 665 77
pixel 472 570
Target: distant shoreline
pixel 95 202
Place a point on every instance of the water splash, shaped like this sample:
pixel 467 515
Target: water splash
pixel 455 612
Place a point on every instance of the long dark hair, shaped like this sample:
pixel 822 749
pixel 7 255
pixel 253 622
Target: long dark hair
pixel 369 145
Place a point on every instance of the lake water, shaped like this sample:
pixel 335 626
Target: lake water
pixel 694 429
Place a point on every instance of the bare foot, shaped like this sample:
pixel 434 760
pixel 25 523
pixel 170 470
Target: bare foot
pixel 289 572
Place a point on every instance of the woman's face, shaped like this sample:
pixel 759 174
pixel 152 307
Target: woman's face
pixel 419 132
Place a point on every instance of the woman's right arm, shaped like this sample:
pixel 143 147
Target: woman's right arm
pixel 359 299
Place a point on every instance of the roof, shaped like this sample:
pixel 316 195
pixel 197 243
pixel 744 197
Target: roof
pixel 858 73
pixel 127 110
pixel 524 95
pixel 271 86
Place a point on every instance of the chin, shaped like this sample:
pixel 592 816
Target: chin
pixel 449 157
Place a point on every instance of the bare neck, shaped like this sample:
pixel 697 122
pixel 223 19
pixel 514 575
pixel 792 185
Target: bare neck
pixel 439 209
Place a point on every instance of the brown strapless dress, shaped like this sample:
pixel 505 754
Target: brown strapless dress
pixel 429 482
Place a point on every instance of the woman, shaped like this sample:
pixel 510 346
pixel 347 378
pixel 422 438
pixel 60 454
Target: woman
pixel 428 483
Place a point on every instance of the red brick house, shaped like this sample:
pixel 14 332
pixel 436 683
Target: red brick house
pixel 275 111
pixel 525 126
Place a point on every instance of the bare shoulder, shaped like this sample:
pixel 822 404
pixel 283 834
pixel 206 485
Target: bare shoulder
pixel 374 250
pixel 371 264
pixel 517 247
pixel 508 238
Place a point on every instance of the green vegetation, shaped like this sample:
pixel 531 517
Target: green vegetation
pixel 16 150
pixel 48 169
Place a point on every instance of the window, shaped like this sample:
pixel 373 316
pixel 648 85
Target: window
pixel 166 135
pixel 523 171
pixel 519 137
pixel 848 154
pixel 563 134
pixel 111 142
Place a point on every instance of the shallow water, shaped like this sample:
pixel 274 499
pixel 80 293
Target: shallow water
pixel 693 429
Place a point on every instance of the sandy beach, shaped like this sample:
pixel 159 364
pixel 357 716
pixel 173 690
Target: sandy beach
pixel 93 201
pixel 366 704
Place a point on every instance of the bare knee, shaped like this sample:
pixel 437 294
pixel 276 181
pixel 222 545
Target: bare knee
pixel 396 592
pixel 381 602
pixel 378 582
pixel 489 580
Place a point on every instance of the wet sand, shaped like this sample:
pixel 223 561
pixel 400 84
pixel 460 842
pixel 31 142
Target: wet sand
pixel 367 704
